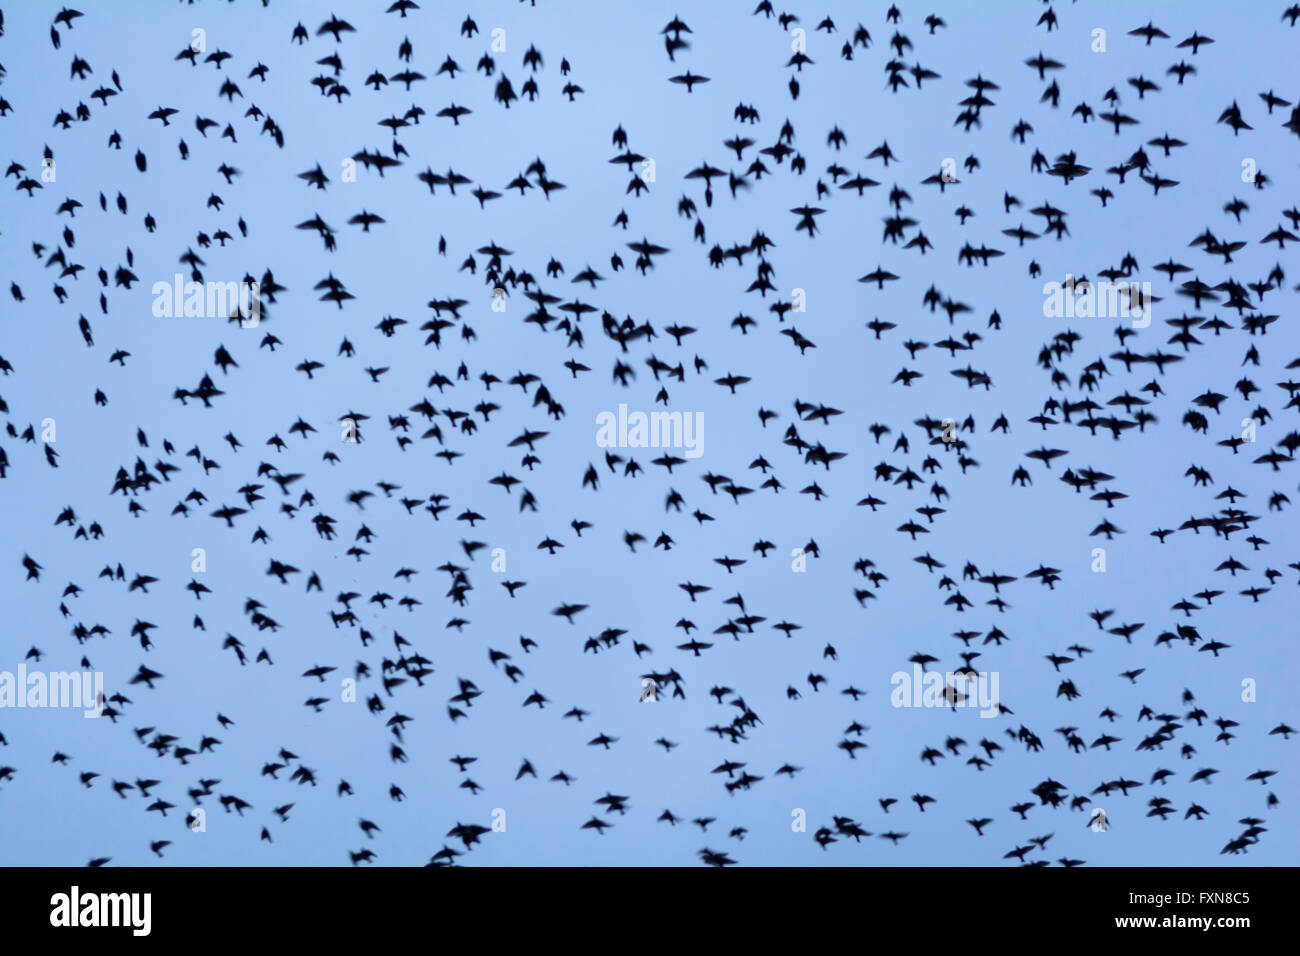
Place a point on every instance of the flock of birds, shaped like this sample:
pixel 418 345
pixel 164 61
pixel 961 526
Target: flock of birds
pixel 385 613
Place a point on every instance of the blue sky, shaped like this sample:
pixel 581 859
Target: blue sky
pixel 49 818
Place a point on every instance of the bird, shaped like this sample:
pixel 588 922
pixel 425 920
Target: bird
pixel 333 443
